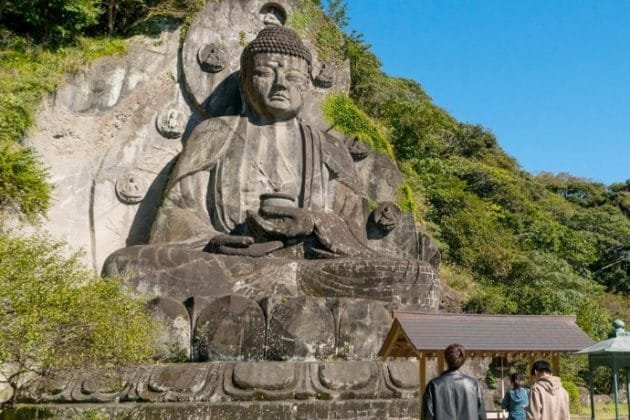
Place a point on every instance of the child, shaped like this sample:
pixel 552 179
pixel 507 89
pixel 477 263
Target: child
pixel 516 399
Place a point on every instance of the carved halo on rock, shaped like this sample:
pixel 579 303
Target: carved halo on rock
pixel 170 123
pixel 272 14
pixel 326 76
pixel 387 216
pixel 212 58
pixel 131 187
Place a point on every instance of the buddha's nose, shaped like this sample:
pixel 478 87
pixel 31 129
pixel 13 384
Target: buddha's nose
pixel 281 80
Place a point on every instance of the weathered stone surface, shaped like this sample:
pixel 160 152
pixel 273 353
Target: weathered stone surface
pixel 230 381
pixel 406 283
pixel 300 327
pixel 230 328
pixel 399 409
pixel 6 392
pixel 100 126
pixel 362 326
pixel 270 376
pixel 347 375
pixel 175 381
pixel 174 337
pixel 404 374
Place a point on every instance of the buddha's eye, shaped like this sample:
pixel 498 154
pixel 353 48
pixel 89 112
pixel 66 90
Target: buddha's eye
pixel 296 77
pixel 263 72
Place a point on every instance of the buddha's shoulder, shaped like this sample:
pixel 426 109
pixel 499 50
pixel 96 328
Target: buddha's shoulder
pixel 207 142
pixel 325 137
pixel 216 126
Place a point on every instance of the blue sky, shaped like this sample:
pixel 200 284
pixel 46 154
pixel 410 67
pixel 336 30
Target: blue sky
pixel 551 79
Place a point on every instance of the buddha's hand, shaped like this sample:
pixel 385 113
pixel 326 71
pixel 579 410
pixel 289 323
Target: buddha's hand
pixel 240 245
pixel 275 222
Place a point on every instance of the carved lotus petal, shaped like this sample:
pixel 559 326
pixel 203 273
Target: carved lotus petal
pixel 269 376
pixel 346 375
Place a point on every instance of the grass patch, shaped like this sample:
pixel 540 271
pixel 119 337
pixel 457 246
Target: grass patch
pixel 603 411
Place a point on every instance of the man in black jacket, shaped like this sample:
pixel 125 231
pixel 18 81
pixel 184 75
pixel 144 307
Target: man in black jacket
pixel 453 395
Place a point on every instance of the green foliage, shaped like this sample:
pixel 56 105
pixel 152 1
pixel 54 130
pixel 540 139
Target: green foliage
pixel 22 180
pixel 51 21
pixel 617 305
pixel 341 112
pixel 337 10
pixel 309 20
pixel 405 199
pixel 491 380
pixel 574 396
pixel 55 314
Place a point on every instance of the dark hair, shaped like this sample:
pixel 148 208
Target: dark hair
pixel 517 380
pixel 541 366
pixel 455 355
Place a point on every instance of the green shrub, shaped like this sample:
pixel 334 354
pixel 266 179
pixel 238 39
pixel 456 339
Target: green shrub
pixel 491 380
pixel 52 21
pixel 574 396
pixel 309 20
pixel 55 314
pixel 22 180
pixel 341 112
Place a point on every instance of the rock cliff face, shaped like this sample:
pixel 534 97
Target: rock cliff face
pixel 98 135
pixel 110 135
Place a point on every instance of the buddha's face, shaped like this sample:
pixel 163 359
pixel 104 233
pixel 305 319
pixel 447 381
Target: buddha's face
pixel 275 86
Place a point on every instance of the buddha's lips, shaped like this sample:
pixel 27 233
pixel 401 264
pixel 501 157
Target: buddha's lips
pixel 279 96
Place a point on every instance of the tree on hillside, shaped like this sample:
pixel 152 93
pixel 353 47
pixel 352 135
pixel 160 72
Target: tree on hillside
pixel 50 21
pixel 54 314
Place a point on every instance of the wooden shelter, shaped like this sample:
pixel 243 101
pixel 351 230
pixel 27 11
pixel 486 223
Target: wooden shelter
pixel 426 335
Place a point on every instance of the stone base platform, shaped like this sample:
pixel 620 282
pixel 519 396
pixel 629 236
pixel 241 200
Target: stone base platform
pixel 280 410
pixel 231 390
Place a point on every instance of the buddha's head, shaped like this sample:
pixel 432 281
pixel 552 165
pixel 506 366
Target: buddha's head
pixel 275 71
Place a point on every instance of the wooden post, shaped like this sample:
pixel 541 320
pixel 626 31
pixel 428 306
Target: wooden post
pixel 531 358
pixel 555 364
pixel 422 361
pixel 440 363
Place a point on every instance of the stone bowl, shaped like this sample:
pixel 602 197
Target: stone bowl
pixel 277 199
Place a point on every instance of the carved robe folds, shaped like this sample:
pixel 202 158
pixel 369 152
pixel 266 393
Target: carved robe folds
pixel 281 286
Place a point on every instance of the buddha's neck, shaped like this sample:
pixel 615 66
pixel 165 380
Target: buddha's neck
pixel 278 129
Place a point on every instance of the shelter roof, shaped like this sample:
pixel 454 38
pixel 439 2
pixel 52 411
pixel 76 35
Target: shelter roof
pixel 619 344
pixel 414 332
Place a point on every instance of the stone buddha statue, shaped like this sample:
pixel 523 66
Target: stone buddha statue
pixel 264 205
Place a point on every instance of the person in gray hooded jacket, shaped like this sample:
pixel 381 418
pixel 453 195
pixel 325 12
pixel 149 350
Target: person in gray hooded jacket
pixel 548 399
pixel 453 395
